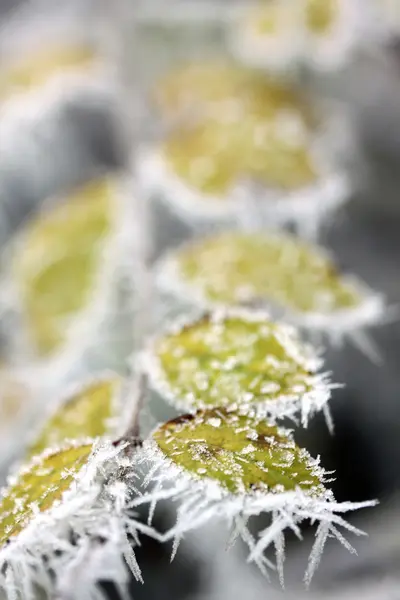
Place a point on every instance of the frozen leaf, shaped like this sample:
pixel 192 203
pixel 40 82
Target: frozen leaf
pixel 34 70
pixel 39 487
pixel 217 153
pixel 68 505
pixel 223 464
pixel 270 270
pixel 250 140
pixel 56 264
pixel 216 87
pixel 241 453
pixel 89 412
pixel 237 358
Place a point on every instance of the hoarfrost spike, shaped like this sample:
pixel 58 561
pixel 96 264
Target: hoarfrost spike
pixel 223 464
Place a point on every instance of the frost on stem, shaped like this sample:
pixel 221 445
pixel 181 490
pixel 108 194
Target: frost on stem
pixel 276 271
pixel 237 359
pixel 89 410
pixel 54 507
pixel 222 464
pixel 247 131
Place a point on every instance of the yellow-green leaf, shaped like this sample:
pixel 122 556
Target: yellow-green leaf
pixel 235 268
pixel 34 70
pixel 241 453
pixel 39 487
pixel 231 359
pixel 57 262
pixel 88 413
pixel 217 87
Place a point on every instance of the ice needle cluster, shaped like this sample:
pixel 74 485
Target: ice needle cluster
pixel 222 464
pixel 64 500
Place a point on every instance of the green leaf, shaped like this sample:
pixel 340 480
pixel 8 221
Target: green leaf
pixel 234 358
pixel 235 268
pixel 56 264
pixel 215 154
pixel 88 413
pixel 39 487
pixel 241 453
pixel 214 86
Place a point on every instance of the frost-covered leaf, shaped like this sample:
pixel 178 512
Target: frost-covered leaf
pixel 89 412
pixel 242 453
pixel 250 139
pixel 237 358
pixel 56 264
pixel 66 506
pixel 215 154
pixel 223 464
pixel 280 272
pixel 213 87
pixel 33 70
pixel 39 487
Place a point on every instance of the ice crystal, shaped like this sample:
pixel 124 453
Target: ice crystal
pixel 241 469
pixel 277 271
pixel 237 358
pixel 89 411
pixel 65 501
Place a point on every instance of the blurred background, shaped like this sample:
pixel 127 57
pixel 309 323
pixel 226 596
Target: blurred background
pixel 72 139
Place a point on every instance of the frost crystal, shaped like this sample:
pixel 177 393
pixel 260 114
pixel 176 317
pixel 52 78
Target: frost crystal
pixel 53 508
pixel 218 472
pixel 237 359
pixel 277 271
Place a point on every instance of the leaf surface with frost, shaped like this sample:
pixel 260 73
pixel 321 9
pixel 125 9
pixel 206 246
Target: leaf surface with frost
pixel 242 453
pixel 39 487
pixel 237 358
pixel 236 268
pixel 211 86
pixel 87 413
pixel 56 263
